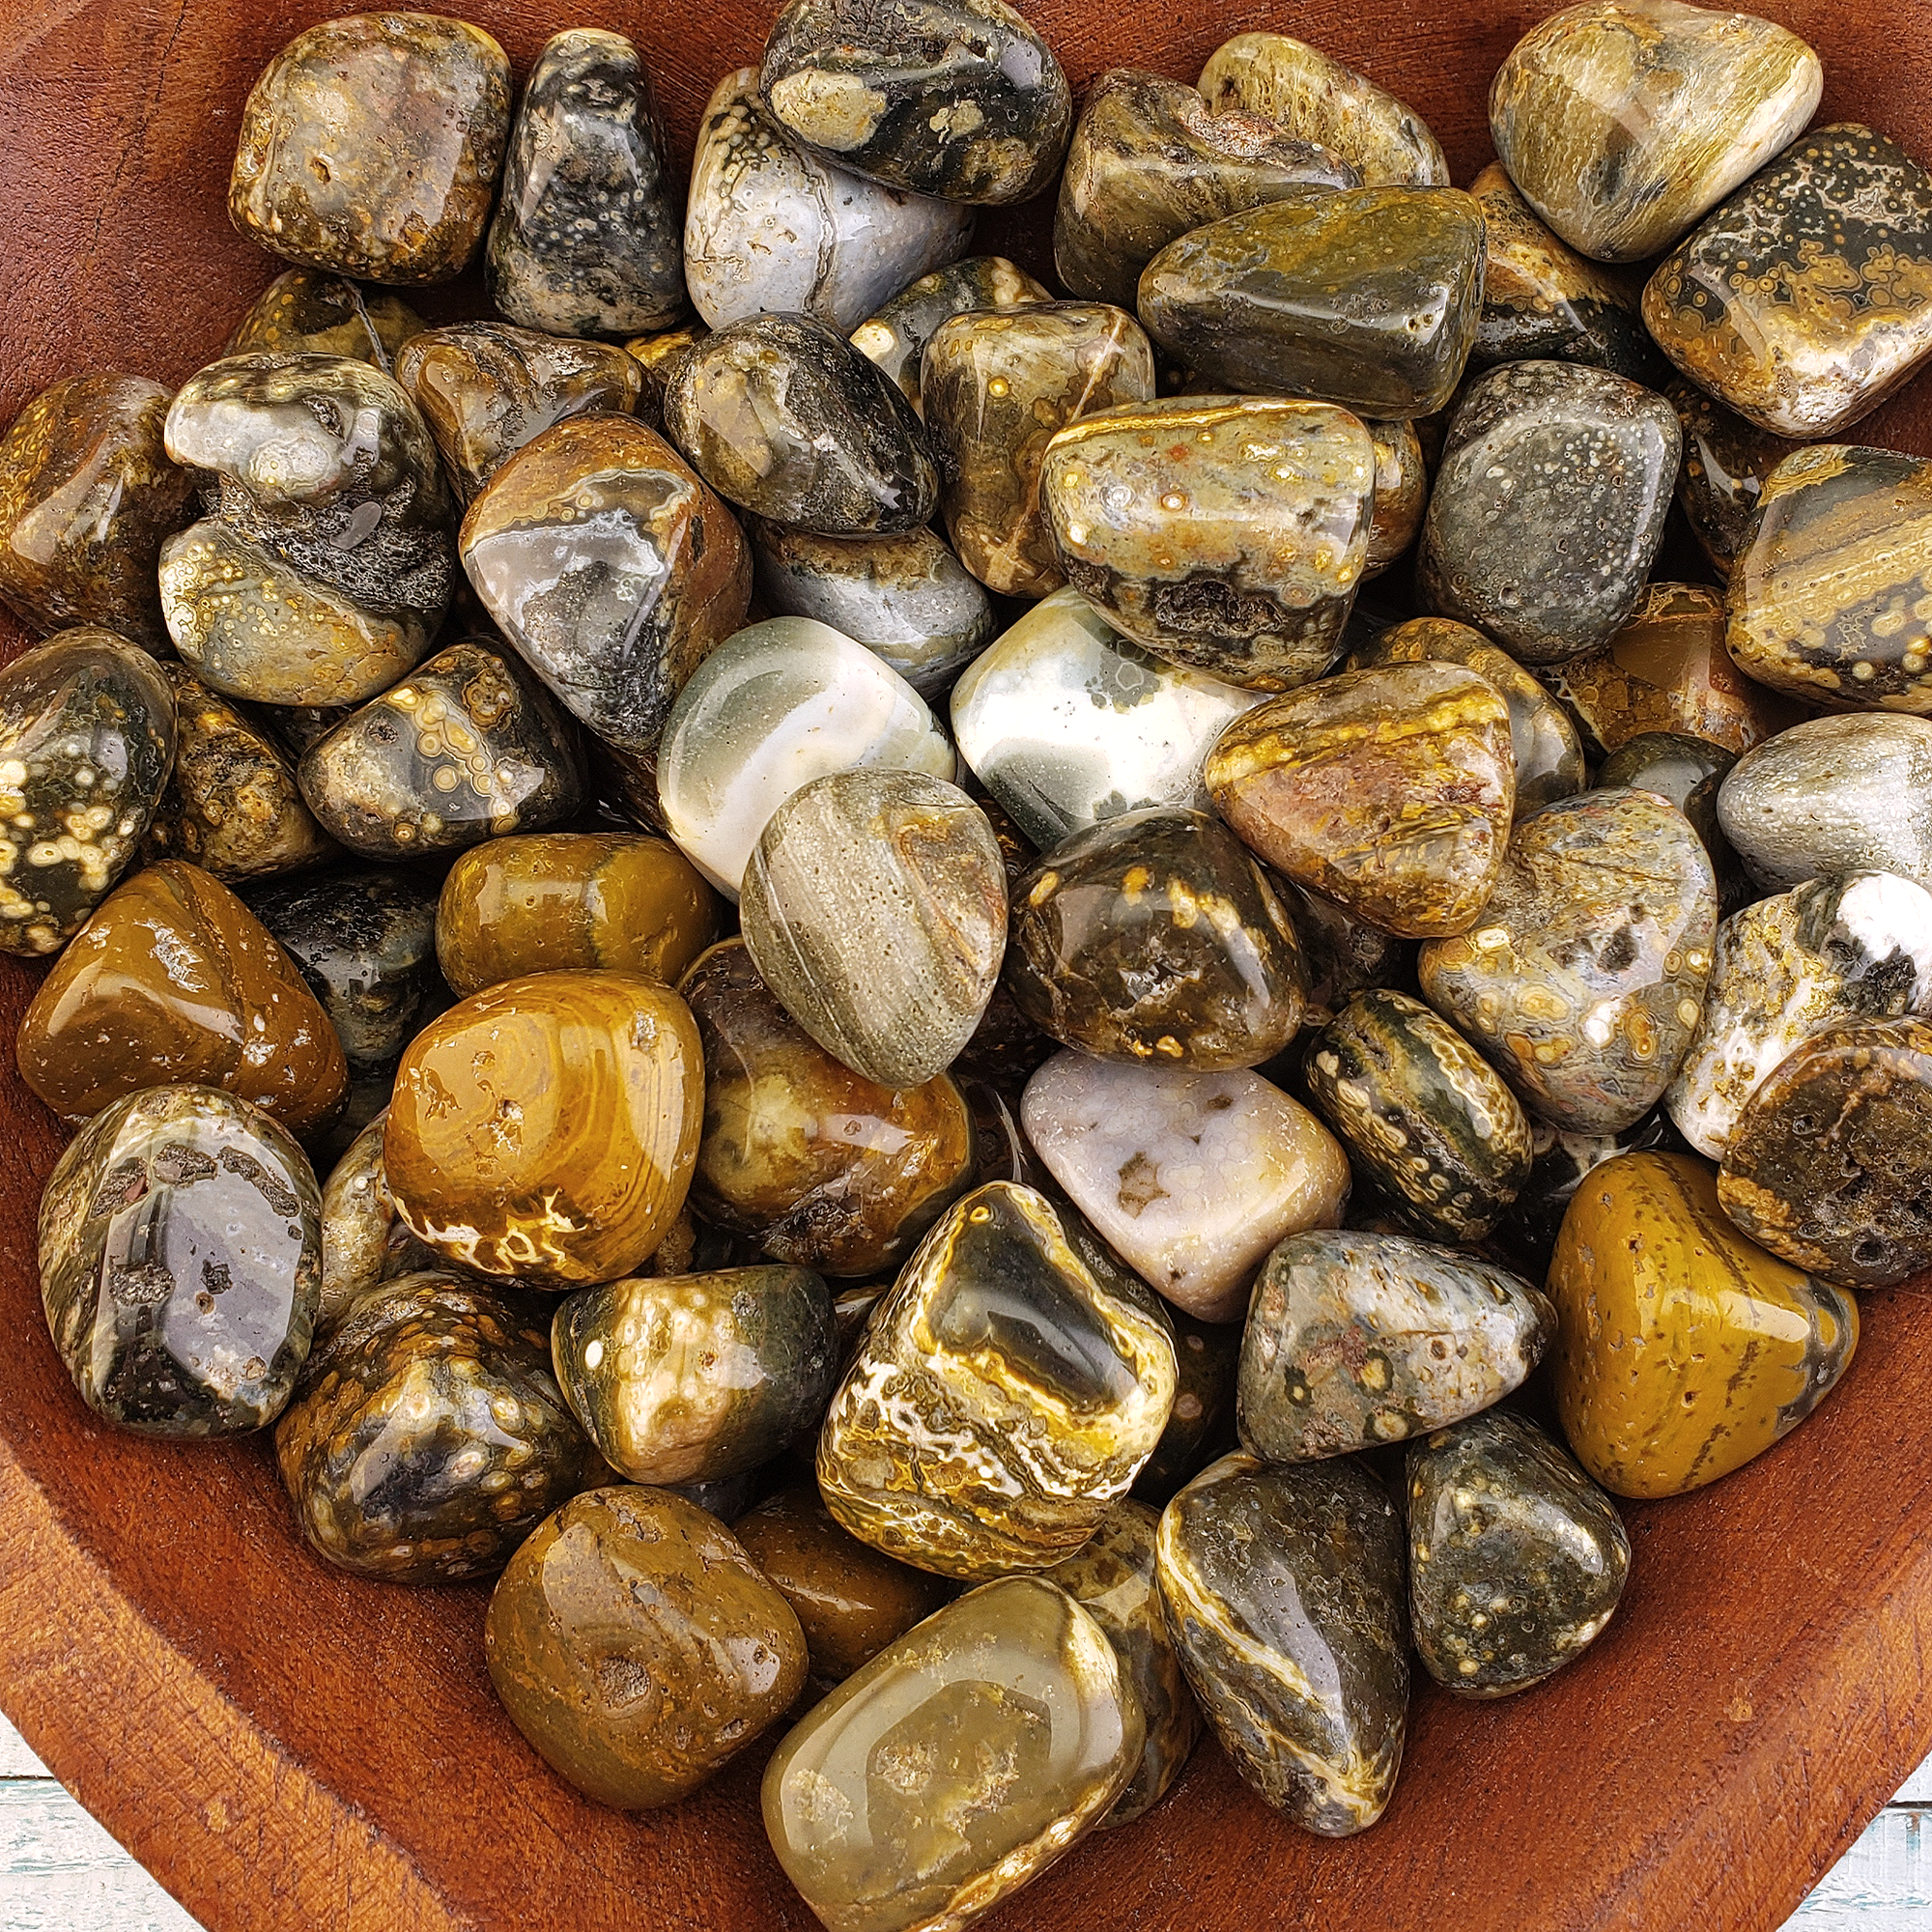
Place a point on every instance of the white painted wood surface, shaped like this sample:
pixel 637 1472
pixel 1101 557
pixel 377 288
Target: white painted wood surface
pixel 61 1873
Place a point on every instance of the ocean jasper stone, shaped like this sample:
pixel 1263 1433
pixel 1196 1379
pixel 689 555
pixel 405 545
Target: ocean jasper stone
pixel 1067 724
pixel 87 740
pixel 895 336
pixel 1282 1590
pixel 174 980
pixel 819 1166
pixel 693 1378
pixel 994 386
pixel 1003 1394
pixel 1560 1165
pixel 875 907
pixel 1151 162
pixel 784 419
pixel 906 598
pixel 613 568
pixel 180 1262
pixel 1421 1113
pixel 1302 90
pixel 1830 1165
pixel 88 493
pixel 486 388
pixel 1857 947
pixel 1341 954
pixel 1401 498
pixel 954 97
pixel 1202 1424
pixel 545 1129
pixel 1726 461
pixel 1157 937
pixel 1354 1340
pixel 305 312
pixel 370 146
pixel 1368 297
pixel 1113 1580
pixel 1623 121
pixel 637 1647
pixel 760 718
pixel 1584 976
pixel 1191 1177
pixel 466 747
pixel 659 356
pixel 588 232
pixel 364 1241
pixel 1676 766
pixel 1516 1559
pixel 1830 596
pixel 1683 1350
pixel 1227 534
pixel 1549 506
pixel 427 1438
pixel 770 228
pixel 553 901
pixel 960 1763
pixel 1807 299
pixel 1389 791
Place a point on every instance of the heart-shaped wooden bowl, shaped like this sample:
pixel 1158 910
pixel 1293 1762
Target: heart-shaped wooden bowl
pixel 288 1749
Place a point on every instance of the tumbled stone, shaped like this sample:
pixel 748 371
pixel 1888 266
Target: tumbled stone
pixel 1682 1349
pixel 1807 299
pixel 1156 937
pixel 1516 1559
pixel 994 386
pixel 1623 121
pixel 1282 1590
pixel 180 1262
pixel 784 419
pixel 588 238
pixel 1341 954
pixel 1190 1176
pixel 875 907
pixel 1314 97
pixel 305 312
pixel 545 1129
pixel 954 97
pixel 1358 1338
pixel 659 356
pixel 468 748
pixel 427 1438
pixel 88 495
pixel 1727 461
pixel 1401 497
pixel 611 566
pixel 174 980
pixel 1201 1425
pixel 87 740
pixel 370 146
pixel 1674 765
pixel 1067 724
pixel 1549 506
pixel 364 1241
pixel 1389 791
pixel 1368 297
pixel 895 336
pixel 1857 947
pixel 960 1763
pixel 1421 1112
pixel 821 1167
pixel 770 228
pixel 1560 1164
pixel 1003 1394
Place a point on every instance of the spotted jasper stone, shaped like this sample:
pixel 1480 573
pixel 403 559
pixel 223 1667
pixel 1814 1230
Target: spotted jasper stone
pixel 897 335
pixel 306 312
pixel 1358 1338
pixel 1342 953
pixel 364 1241
pixel 1402 494
pixel 1561 1164
pixel 1202 1424
pixel 1727 461
pixel 1807 299
pixel 1683 1350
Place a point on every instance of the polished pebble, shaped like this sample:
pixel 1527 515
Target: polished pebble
pixel 306 312
pixel 895 336
pixel 1342 954
pixel 1201 1426
pixel 364 1241
pixel 1726 461
pixel 658 356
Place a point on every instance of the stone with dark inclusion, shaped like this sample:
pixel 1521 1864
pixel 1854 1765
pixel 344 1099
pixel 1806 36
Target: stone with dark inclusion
pixel 88 493
pixel 428 1437
pixel 87 740
pixel 1354 1340
pixel 1516 1559
pixel 961 98
pixel 897 335
pixel 1673 764
pixel 588 235
pixel 1151 162
pixel 1341 954
pixel 784 419
pixel 466 748
pixel 1727 461
pixel 306 312
pixel 180 1262
pixel 1368 297
pixel 1560 1165
pixel 1283 1589
pixel 364 1241
pixel 659 356
pixel 1201 1425
pixel 1805 298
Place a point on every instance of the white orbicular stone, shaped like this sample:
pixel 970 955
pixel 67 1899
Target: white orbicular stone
pixel 1191 1177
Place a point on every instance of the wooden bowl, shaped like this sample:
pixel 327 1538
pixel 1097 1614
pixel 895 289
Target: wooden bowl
pixel 287 1747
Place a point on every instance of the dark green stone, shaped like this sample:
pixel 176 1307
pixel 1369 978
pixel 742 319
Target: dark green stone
pixel 1528 1233
pixel 895 336
pixel 1342 955
pixel 1201 1423
pixel 1725 462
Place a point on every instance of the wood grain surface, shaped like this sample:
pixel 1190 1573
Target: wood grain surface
pixel 285 1747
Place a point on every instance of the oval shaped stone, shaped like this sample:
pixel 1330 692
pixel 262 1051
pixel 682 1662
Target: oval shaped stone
pixel 1401 497
pixel 364 1241
pixel 895 336
pixel 1202 1424
pixel 306 312
pixel 1727 461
